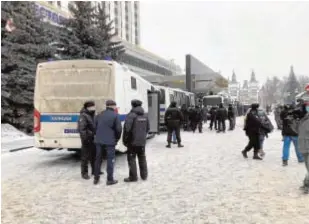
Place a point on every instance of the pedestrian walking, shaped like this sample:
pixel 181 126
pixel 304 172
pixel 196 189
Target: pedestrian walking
pixel 86 131
pixel 266 128
pixel 303 139
pixel 136 128
pixel 108 132
pixel 290 123
pixel 252 128
pixel 173 118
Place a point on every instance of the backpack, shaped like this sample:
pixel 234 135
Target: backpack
pixel 292 123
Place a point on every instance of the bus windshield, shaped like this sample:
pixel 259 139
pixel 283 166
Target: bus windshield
pixel 212 101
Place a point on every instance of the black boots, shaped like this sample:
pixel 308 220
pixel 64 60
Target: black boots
pixel 284 162
pixel 85 176
pixel 96 180
pixel 169 145
pixel 305 189
pixel 128 179
pixel 111 182
pixel 255 156
pixel 244 154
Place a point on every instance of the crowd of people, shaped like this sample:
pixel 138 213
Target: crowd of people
pixel 294 123
pixel 193 118
pixel 100 134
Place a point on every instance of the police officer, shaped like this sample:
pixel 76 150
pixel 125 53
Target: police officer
pixel 199 118
pixel 135 131
pixel 86 131
pixel 221 117
pixel 173 118
pixel 213 115
pixel 108 132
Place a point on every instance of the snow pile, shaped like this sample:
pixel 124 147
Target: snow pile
pixel 10 134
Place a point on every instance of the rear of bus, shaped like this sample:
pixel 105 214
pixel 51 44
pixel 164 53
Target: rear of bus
pixel 61 88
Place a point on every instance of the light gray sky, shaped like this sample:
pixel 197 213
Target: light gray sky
pixel 267 36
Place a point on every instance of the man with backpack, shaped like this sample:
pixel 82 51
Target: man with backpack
pixel 290 123
pixel 266 128
pixel 136 128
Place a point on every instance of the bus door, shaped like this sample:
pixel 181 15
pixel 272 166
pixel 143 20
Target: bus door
pixel 154 111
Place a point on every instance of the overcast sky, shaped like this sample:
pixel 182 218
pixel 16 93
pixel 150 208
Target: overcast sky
pixel 267 37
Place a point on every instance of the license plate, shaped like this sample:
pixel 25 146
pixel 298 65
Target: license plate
pixel 71 131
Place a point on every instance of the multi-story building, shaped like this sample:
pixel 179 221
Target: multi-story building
pixel 244 93
pixel 125 14
pixel 234 88
pixel 126 17
pixel 253 88
pixel 248 93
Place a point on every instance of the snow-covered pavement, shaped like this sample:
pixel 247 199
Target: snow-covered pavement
pixel 207 181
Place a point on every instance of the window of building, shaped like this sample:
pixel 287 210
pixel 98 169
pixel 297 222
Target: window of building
pixel 50 2
pixel 59 3
pixel 133 83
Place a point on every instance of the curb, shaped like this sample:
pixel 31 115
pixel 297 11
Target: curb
pixel 14 146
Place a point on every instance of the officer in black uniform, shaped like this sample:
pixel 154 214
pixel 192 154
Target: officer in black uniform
pixel 173 118
pixel 136 127
pixel 86 131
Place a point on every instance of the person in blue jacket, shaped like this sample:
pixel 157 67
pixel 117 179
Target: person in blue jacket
pixel 108 132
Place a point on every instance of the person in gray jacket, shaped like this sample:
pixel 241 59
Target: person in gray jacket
pixel 303 144
pixel 136 127
pixel 108 132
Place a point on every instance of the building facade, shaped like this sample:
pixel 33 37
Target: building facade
pixel 125 14
pixel 126 17
pixel 253 89
pixel 234 88
pixel 248 93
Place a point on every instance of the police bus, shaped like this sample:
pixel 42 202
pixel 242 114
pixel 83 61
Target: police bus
pixel 62 87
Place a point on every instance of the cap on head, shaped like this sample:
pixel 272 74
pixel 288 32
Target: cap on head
pixel 136 103
pixel 255 106
pixel 110 103
pixel 173 104
pixel 89 104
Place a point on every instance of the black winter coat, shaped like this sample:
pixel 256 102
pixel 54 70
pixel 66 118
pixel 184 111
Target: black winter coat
pixel 173 117
pixel 231 113
pixel 221 114
pixel 85 126
pixel 288 118
pixel 253 123
pixel 108 128
pixel 136 127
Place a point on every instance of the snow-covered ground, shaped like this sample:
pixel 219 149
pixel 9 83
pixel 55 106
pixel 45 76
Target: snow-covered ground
pixel 207 181
pixel 12 138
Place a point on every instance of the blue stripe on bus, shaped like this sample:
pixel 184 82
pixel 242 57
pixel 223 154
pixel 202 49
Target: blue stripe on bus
pixel 68 118
pixel 162 109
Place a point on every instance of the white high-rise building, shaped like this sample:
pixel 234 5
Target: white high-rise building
pixel 126 17
pixel 125 14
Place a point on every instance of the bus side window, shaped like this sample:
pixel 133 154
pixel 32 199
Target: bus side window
pixel 133 83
